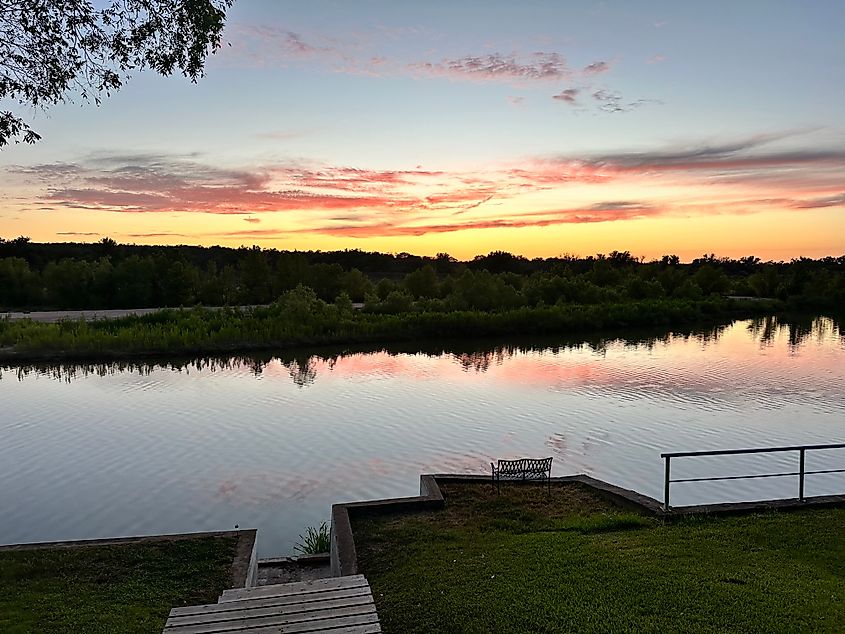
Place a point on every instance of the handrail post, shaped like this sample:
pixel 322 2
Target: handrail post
pixel 801 476
pixel 666 486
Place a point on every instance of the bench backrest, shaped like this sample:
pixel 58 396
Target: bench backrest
pixel 525 465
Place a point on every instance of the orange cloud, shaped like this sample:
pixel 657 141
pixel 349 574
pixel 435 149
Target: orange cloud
pixel 730 178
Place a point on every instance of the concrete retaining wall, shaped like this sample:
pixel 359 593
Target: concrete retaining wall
pixel 244 563
pixel 344 558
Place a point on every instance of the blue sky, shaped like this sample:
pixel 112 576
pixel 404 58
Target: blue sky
pixel 538 127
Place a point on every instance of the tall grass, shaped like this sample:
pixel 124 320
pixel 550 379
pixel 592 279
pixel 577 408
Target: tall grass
pixel 317 540
pixel 299 318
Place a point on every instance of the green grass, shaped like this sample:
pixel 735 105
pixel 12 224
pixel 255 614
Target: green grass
pixel 317 540
pixel 523 563
pixel 119 588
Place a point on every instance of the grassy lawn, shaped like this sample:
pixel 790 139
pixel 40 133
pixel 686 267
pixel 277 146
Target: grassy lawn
pixel 520 562
pixel 125 588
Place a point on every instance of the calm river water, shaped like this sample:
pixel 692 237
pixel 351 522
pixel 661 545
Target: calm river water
pixel 96 451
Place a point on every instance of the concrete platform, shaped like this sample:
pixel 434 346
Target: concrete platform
pixel 278 570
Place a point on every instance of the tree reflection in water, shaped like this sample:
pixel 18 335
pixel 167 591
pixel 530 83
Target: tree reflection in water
pixel 479 356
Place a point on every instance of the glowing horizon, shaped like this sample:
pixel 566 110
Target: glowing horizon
pixel 465 130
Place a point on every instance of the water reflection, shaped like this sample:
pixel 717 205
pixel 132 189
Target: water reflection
pixel 273 440
pixel 800 330
pixel 478 356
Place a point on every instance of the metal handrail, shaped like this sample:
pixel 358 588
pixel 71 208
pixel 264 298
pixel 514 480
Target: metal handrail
pixel 802 449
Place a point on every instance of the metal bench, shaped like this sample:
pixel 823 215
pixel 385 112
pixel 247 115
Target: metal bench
pixel 522 469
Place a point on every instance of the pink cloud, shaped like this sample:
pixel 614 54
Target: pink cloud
pixel 261 46
pixel 837 200
pixel 603 212
pixel 159 234
pixel 348 201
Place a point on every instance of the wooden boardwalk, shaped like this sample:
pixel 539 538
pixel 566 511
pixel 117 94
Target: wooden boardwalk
pixel 337 605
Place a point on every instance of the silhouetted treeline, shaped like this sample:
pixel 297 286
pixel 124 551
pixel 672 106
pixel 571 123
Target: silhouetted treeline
pixel 110 275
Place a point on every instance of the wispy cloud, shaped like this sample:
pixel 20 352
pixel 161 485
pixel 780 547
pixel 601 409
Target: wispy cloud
pixel 734 176
pixel 261 46
pixel 597 68
pixel 159 234
pixel 601 212
pixel 155 184
pixel 837 200
pixel 296 45
pixel 613 101
pixel 569 95
pixel 284 135
pixel 741 154
pixel 265 46
pixel 499 67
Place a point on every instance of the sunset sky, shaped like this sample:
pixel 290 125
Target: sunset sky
pixel 540 128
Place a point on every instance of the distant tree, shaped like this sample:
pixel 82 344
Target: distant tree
pixel 384 288
pixel 397 301
pixel 444 264
pixel 356 285
pixel 422 282
pixel 255 276
pixel 500 262
pixel 53 50
pixel 621 258
pixel 18 284
pixel 711 280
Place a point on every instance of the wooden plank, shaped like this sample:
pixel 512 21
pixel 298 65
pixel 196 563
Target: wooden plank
pixel 293 588
pixel 369 628
pixel 268 602
pixel 316 593
pixel 302 622
pixel 255 612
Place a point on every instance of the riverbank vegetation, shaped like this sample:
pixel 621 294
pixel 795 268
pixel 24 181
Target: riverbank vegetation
pixel 476 354
pixel 522 562
pixel 107 275
pixel 115 588
pixel 286 299
pixel 300 318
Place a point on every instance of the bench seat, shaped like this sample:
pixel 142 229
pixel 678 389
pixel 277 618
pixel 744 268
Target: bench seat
pixel 522 469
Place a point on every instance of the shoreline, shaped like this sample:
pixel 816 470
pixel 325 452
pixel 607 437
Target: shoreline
pixel 197 332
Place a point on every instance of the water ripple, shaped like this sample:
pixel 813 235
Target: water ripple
pixel 272 443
